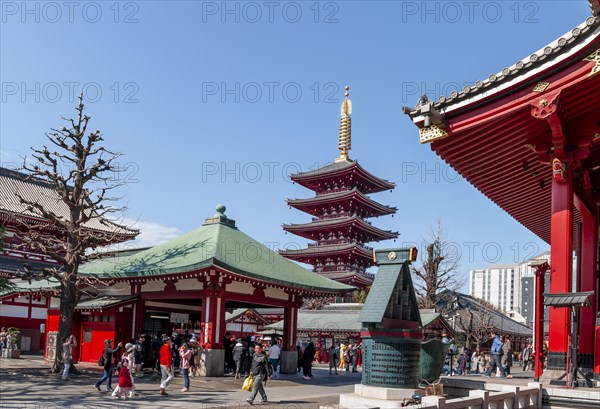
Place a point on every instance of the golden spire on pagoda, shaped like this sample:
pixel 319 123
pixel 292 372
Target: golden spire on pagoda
pixel 344 143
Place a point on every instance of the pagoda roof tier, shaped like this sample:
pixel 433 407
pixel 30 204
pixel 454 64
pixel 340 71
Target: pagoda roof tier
pixel 313 205
pixel 311 230
pixel 311 253
pixel 216 244
pixel 346 173
pixel 348 277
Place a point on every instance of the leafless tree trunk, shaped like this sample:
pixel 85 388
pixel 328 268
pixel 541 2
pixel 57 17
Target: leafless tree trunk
pixel 82 174
pixel 476 325
pixel 439 269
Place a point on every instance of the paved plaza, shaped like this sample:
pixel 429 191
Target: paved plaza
pixel 26 383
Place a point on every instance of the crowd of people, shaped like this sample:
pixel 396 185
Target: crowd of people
pixel 499 361
pixel 249 356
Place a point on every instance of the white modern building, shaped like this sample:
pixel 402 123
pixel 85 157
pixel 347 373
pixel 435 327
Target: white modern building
pixel 508 287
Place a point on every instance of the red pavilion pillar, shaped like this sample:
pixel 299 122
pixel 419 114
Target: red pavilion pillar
pixel 561 247
pixel 548 109
pixel 213 314
pixel 587 282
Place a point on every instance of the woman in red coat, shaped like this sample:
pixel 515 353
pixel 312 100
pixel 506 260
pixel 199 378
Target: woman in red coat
pixel 125 383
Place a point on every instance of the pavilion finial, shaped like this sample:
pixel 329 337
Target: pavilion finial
pixel 344 143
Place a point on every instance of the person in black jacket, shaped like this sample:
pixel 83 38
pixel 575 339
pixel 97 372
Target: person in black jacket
pixel 108 363
pixel 307 360
pixel 239 356
pixel 260 373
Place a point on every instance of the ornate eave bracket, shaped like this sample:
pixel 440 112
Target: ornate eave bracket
pixel 594 57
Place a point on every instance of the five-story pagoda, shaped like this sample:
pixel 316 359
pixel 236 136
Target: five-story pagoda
pixel 340 209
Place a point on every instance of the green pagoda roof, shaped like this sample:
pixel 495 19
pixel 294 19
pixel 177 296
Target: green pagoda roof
pixel 217 243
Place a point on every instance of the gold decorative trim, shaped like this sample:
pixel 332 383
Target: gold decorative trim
pixel 345 139
pixel 431 134
pixel 594 57
pixel 541 86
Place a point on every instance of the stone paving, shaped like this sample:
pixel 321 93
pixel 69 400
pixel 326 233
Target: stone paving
pixel 26 383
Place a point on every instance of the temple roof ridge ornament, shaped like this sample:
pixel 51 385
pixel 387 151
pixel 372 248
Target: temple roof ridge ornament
pixel 220 218
pixel 345 138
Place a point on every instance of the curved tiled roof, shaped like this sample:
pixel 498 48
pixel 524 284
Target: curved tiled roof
pixel 535 60
pixel 337 169
pixel 337 197
pixel 337 223
pixel 213 244
pixel 13 183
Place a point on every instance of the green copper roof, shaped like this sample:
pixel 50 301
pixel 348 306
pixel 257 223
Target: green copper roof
pixel 340 320
pixel 392 294
pixel 33 287
pixel 217 243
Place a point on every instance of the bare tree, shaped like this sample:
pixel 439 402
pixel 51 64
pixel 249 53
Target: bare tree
pixel 316 303
pixel 476 325
pixel 82 174
pixel 439 269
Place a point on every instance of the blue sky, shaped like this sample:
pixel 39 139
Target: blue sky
pixel 217 102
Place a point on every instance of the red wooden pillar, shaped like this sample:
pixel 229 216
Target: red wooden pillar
pixel 213 314
pixel 540 279
pixel 290 322
pixel 561 247
pixel 587 282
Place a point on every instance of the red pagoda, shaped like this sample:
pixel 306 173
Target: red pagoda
pixel 340 209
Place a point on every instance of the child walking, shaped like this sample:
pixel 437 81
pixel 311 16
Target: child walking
pixel 185 353
pixel 125 382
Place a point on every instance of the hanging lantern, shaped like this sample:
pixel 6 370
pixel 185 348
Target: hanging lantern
pixel 559 170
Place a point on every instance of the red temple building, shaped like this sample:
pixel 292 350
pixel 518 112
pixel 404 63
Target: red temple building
pixel 528 138
pixel 26 310
pixel 189 283
pixel 340 209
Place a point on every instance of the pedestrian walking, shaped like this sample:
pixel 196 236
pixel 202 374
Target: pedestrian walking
pixel 185 354
pixel 107 357
pixel 299 358
pixel 126 357
pixel 138 355
pixel 507 355
pixel 166 366
pixel 355 349
pixel 125 381
pixel 343 356
pixel 156 346
pixel 260 373
pixel 496 353
pixel 333 358
pixel 239 357
pixel 274 352
pixel 526 356
pixel 68 344
pixel 348 357
pixel 307 360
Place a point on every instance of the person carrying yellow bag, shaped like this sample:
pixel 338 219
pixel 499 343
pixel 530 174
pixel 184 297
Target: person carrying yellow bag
pixel 259 372
pixel 247 386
